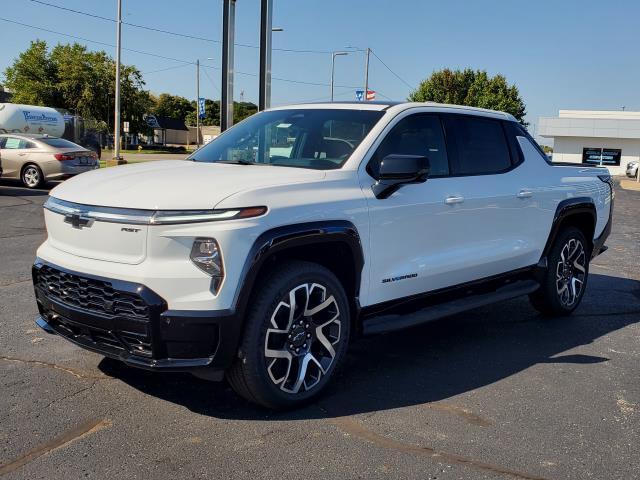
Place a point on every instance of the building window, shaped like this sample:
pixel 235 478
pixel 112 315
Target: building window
pixel 602 156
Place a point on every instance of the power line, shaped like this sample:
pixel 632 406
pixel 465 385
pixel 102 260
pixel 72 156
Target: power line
pixel 169 32
pixel 95 41
pixel 193 37
pixel 211 80
pixel 394 73
pixel 185 62
pixel 288 80
pixel 165 69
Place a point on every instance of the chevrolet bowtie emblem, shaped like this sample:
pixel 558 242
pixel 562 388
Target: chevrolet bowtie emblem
pixel 78 221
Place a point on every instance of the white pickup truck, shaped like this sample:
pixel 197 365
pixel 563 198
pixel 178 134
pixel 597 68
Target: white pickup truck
pixel 304 227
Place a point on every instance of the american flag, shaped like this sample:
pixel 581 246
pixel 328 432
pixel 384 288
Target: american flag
pixel 371 95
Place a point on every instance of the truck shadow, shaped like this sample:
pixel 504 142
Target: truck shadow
pixel 13 188
pixel 428 363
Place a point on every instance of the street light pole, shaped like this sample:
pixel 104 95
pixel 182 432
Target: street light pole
pixel 228 31
pixel 116 136
pixel 266 29
pixel 333 68
pixel 197 104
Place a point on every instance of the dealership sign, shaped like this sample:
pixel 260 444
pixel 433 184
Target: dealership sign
pixel 152 121
pixel 202 110
pixel 602 156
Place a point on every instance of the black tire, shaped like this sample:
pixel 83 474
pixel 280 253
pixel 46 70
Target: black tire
pixel 564 284
pixel 256 374
pixel 31 176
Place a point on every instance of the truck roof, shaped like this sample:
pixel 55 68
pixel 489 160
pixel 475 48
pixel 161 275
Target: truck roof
pixel 400 106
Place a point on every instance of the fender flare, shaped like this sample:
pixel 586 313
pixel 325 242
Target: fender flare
pixel 281 238
pixel 565 209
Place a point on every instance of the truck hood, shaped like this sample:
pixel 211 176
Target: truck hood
pixel 175 184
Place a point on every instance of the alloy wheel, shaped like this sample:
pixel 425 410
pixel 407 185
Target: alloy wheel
pixel 571 272
pixel 300 345
pixel 31 177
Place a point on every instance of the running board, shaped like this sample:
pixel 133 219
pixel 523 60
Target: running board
pixel 386 323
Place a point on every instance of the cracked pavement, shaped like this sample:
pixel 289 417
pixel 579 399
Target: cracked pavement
pixel 493 393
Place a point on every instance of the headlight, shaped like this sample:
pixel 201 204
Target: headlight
pixel 206 255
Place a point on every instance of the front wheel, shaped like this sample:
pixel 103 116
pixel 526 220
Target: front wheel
pixel 295 338
pixel 565 281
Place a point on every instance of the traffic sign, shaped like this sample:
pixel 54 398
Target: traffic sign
pixel 371 95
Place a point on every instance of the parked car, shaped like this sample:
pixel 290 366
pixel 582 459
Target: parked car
pixel 305 227
pixel 36 159
pixel 632 169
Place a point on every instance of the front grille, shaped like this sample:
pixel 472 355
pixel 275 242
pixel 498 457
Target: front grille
pixel 92 295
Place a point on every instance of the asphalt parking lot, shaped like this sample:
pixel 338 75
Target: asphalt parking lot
pixel 493 393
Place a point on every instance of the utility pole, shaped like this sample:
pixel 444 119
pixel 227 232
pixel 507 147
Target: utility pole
pixel 366 74
pixel 116 135
pixel 333 68
pixel 228 35
pixel 266 30
pixel 197 104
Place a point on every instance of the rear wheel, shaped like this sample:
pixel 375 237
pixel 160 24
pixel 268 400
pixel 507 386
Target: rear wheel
pixel 566 278
pixel 295 339
pixel 32 176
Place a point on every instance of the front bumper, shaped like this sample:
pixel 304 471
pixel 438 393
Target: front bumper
pixel 131 323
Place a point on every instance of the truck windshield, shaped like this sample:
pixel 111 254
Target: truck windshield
pixel 321 139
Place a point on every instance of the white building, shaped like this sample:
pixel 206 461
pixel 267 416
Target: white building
pixel 610 138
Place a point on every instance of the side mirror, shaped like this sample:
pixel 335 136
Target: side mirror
pixel 397 170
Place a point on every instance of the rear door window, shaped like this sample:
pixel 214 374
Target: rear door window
pixel 479 143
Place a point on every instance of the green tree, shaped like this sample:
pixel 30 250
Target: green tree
pixel 173 106
pixel 474 88
pixel 33 77
pixel 135 101
pixel 241 110
pixel 72 78
pixel 212 113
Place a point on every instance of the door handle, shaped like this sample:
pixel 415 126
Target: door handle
pixel 22 154
pixel 525 194
pixel 452 200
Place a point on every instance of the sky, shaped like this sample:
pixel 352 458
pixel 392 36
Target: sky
pixel 561 54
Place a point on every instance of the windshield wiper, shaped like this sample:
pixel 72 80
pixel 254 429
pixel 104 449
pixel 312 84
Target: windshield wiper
pixel 237 162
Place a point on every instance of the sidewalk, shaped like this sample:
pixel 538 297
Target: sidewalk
pixel 629 184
